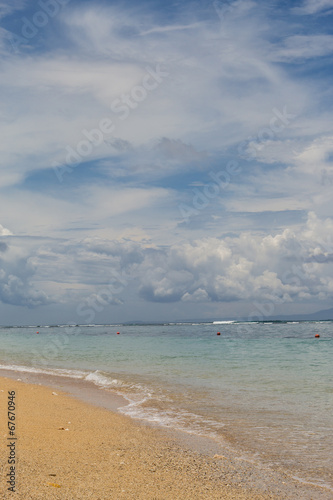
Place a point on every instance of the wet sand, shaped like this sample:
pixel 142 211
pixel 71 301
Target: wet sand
pixel 69 449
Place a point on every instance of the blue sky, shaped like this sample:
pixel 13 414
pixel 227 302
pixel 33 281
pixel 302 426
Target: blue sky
pixel 162 161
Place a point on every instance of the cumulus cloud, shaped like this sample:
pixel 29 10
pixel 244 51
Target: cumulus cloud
pixel 293 265
pixel 15 284
pixel 243 268
pixel 14 291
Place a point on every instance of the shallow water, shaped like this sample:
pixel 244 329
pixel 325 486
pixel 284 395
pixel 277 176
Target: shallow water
pixel 265 390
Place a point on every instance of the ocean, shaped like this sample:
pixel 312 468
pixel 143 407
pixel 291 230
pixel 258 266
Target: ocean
pixel 261 389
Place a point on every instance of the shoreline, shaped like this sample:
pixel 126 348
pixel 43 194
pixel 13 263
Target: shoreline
pixel 102 455
pixel 188 463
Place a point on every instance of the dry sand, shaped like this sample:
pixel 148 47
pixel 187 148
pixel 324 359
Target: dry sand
pixel 102 455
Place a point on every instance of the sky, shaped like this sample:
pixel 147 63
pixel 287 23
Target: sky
pixel 163 161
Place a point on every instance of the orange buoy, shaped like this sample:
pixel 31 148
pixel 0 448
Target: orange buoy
pixel 118 333
pixel 317 335
pixel 218 333
pixel 37 332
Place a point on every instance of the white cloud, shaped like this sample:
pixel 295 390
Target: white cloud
pixel 245 268
pixel 304 47
pixel 109 202
pixel 265 204
pixel 315 155
pixel 17 292
pixel 302 179
pixel 163 29
pixel 48 99
pixel 7 8
pixel 4 231
pixel 291 266
pixel 224 83
pixel 313 6
pixel 95 209
pixel 16 276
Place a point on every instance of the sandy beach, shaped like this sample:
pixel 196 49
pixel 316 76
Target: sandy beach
pixel 68 449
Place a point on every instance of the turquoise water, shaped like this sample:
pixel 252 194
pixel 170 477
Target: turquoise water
pixel 264 390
